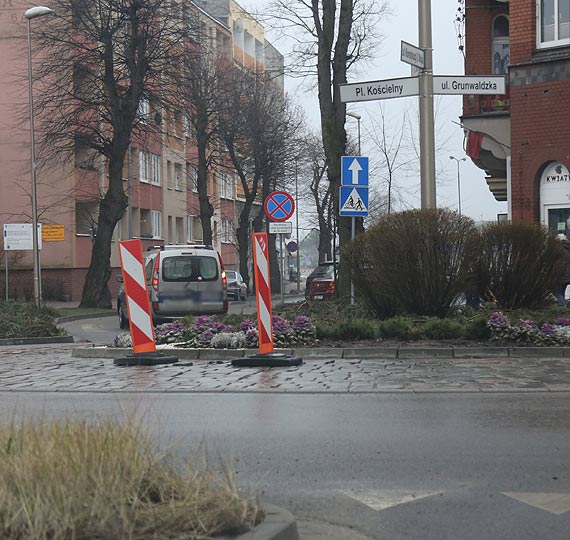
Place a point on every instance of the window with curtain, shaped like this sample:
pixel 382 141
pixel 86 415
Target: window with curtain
pixel 501 45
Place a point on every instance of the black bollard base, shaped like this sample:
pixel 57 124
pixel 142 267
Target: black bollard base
pixel 274 359
pixel 145 359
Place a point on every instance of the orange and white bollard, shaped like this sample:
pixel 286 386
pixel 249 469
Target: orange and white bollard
pixel 138 307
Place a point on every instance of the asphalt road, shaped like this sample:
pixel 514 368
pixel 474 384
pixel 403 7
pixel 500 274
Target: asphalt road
pixel 389 466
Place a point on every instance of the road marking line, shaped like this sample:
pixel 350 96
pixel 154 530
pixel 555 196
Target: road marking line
pixel 555 503
pixel 383 499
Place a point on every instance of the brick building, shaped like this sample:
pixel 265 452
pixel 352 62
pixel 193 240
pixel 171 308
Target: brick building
pixel 159 176
pixel 522 140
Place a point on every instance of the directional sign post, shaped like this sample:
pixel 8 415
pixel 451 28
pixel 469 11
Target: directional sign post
pixel 388 89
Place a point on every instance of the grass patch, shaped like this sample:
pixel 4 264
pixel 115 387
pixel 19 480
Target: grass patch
pixel 72 480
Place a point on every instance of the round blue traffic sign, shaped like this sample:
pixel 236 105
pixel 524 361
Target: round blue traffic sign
pixel 279 206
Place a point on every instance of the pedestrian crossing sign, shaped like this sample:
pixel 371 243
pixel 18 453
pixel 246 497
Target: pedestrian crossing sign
pixel 353 201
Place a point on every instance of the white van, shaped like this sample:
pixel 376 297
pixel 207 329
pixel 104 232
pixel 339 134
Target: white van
pixel 182 280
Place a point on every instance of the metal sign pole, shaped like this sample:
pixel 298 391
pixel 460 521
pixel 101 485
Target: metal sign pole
pixel 351 280
pixel 427 137
pixel 6 263
pixel 282 266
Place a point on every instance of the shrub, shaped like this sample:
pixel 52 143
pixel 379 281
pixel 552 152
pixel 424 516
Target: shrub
pixel 351 329
pixel 476 328
pixel 413 262
pixel 76 480
pixel 443 329
pixel 398 328
pixel 27 320
pixel 517 264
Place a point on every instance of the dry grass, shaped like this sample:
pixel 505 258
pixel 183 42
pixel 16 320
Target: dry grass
pixel 79 481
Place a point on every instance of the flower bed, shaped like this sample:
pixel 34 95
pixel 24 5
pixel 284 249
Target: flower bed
pixel 205 332
pixel 528 331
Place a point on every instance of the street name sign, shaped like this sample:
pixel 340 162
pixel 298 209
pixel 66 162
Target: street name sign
pixel 464 85
pixel 19 237
pixel 283 227
pixel 354 171
pixel 410 54
pixel 353 201
pixel 387 89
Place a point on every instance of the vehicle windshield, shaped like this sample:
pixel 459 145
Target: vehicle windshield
pixel 323 271
pixel 189 268
pixel 231 275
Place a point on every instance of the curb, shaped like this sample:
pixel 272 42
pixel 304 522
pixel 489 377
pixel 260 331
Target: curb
pixel 71 318
pixel 279 524
pixel 401 353
pixel 36 340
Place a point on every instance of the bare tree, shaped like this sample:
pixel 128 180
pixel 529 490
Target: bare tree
pixel 204 66
pixel 256 123
pixel 332 35
pixel 106 57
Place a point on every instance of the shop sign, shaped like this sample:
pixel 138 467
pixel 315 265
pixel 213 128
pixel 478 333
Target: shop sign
pixel 555 174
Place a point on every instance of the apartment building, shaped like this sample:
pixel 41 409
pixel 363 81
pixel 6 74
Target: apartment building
pixel 522 139
pixel 159 176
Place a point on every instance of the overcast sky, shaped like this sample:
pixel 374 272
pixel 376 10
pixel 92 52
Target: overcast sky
pixel 476 199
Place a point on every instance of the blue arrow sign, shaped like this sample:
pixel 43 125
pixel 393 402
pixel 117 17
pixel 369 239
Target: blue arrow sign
pixel 354 171
pixel 353 201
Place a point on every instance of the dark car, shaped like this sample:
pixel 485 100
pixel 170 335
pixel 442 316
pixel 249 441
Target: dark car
pixel 237 288
pixel 320 283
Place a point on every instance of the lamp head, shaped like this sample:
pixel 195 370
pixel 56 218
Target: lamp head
pixel 38 11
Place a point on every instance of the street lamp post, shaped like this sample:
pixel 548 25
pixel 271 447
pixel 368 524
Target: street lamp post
pixel 353 227
pixel 457 160
pixel 33 13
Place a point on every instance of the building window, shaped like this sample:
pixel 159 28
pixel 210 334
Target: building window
pixel 226 186
pixel 554 23
pixel 178 178
pixel 227 231
pixel 501 46
pixel 180 230
pixel 144 111
pixel 156 229
pixel 169 175
pixel 149 168
pixel 192 174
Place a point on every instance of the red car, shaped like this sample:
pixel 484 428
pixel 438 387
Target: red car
pixel 320 283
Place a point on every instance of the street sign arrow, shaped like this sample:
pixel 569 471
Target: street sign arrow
pixel 354 171
pixel 354 168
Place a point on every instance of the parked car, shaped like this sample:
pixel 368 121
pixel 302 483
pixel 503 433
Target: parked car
pixel 181 280
pixel 237 288
pixel 320 283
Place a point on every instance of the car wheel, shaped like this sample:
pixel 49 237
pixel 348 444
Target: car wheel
pixel 243 296
pixel 123 320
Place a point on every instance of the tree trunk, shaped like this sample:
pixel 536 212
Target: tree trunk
pixel 96 291
pixel 206 208
pixel 243 241
pixel 325 240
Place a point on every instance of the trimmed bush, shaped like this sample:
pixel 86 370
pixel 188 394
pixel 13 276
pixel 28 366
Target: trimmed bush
pixel 352 329
pixel 414 262
pixel 443 329
pixel 399 328
pixel 517 264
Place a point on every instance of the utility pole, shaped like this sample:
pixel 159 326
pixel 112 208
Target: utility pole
pixel 427 135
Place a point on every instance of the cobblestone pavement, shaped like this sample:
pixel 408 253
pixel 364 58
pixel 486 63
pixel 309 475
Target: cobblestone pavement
pixel 52 369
